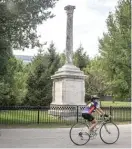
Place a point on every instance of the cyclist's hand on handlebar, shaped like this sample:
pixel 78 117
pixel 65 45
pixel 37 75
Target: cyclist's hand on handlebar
pixel 105 115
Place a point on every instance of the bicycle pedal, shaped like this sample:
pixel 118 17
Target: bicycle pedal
pixel 93 135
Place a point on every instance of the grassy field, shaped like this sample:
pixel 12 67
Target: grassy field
pixel 30 117
pixel 115 104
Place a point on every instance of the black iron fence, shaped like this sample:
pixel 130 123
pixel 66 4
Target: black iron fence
pixel 56 114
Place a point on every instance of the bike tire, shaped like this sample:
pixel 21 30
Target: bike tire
pixel 85 133
pixel 113 126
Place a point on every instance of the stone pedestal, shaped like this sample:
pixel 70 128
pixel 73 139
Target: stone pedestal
pixel 68 86
pixel 68 90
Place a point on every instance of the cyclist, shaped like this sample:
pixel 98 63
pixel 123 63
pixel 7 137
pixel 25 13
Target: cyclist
pixel 93 106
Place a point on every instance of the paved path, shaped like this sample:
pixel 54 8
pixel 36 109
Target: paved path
pixel 56 138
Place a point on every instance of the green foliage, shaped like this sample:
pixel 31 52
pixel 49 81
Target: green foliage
pixel 80 58
pixel 20 77
pixel 13 84
pixel 5 54
pixel 6 81
pixel 6 96
pixel 18 30
pixel 115 50
pixel 96 80
pixel 39 83
pixel 19 20
pixel 62 59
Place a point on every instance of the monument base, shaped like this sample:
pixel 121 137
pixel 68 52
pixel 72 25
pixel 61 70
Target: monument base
pixel 68 86
pixel 66 112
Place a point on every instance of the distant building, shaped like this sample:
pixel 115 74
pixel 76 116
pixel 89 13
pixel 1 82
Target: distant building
pixel 24 58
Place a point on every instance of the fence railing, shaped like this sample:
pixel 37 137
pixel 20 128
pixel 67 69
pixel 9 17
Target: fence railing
pixel 56 114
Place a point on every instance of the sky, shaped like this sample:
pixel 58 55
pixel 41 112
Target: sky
pixel 89 23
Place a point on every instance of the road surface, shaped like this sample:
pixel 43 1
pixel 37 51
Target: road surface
pixel 56 138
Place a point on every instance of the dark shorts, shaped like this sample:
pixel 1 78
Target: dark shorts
pixel 87 116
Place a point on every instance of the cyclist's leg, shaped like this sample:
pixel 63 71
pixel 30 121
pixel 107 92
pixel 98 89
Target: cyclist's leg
pixel 93 121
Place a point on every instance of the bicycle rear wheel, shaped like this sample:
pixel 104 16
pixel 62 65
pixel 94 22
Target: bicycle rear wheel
pixel 109 133
pixel 79 134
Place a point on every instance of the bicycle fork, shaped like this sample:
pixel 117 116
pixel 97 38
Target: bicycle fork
pixel 107 129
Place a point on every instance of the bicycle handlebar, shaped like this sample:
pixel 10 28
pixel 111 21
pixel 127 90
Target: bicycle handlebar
pixel 106 118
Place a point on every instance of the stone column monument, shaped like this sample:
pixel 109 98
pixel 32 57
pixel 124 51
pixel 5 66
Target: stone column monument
pixel 68 82
pixel 69 34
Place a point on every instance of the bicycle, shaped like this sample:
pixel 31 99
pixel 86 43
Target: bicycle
pixel 105 127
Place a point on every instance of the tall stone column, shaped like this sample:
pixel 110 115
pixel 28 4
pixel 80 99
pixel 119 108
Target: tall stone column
pixel 69 33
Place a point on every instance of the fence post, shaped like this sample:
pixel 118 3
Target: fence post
pixel 110 112
pixel 77 113
pixel 38 116
pixel 100 104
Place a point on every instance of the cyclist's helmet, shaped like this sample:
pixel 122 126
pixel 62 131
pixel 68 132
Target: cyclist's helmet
pixel 94 97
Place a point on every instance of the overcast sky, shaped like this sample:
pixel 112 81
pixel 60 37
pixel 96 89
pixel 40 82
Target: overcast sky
pixel 89 23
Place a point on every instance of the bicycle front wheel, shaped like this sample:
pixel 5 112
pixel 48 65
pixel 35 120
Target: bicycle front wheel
pixel 79 133
pixel 109 133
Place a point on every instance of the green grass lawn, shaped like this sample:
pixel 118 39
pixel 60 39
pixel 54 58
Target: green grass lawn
pixel 118 115
pixel 28 117
pixel 115 104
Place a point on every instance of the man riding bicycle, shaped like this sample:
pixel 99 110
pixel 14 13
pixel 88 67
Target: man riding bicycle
pixel 93 106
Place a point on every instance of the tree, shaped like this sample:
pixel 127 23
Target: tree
pixel 62 59
pixel 96 80
pixel 18 30
pixel 5 55
pixel 115 50
pixel 13 84
pixel 19 80
pixel 80 58
pixel 18 24
pixel 39 81
pixel 19 20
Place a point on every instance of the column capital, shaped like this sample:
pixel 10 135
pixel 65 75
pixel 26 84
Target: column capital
pixel 69 8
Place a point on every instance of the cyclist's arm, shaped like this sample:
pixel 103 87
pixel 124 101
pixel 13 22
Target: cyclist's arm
pixel 100 111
